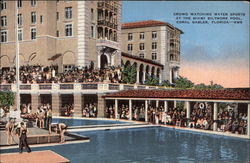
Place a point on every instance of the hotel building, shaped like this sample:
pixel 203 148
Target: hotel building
pixel 70 33
pixel 154 40
pixel 62 32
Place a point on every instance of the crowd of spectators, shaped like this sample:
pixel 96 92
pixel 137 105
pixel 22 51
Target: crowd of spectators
pixel 38 74
pixel 89 110
pixel 67 110
pixel 201 117
pixel 230 121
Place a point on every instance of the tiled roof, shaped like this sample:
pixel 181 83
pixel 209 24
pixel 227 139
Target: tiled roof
pixel 141 59
pixel 219 94
pixel 147 23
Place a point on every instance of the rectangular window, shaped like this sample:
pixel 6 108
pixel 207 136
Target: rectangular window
pixel 20 19
pixel 41 19
pixel 67 67
pixel 68 13
pixel 57 15
pixel 20 34
pixel 154 35
pixel 130 47
pixel 141 55
pixel 92 32
pixel 130 36
pixel 4 36
pixel 154 56
pixel 68 30
pixel 154 45
pixel 33 3
pixel 142 36
pixel 141 46
pixel 57 33
pixel 92 14
pixel 33 17
pixel 3 5
pixel 33 33
pixel 3 21
pixel 19 3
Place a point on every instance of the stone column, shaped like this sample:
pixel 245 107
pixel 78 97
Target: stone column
pixel 175 103
pixel 100 106
pixel 144 77
pixel 56 104
pixel 130 109
pixel 188 109
pixel 188 112
pixel 248 121
pixel 138 76
pixel 160 77
pixel 116 109
pixel 215 116
pixel 77 105
pixel 157 103
pixel 146 110
pixel 170 76
pixel 165 106
pixel 35 102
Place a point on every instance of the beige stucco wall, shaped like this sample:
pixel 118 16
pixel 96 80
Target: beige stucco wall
pixel 147 41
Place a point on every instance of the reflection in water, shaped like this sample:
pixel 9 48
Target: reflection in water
pixel 156 144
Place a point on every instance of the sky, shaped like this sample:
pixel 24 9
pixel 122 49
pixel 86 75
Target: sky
pixel 209 52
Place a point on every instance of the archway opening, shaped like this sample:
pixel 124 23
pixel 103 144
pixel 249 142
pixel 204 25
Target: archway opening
pixel 104 61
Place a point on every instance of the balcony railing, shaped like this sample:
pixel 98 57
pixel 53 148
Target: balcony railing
pixel 128 87
pixel 66 86
pixel 105 42
pixel 89 86
pixel 5 87
pixel 114 87
pixel 141 87
pixel 25 87
pixel 45 87
pixel 107 23
pixel 74 87
pixel 107 6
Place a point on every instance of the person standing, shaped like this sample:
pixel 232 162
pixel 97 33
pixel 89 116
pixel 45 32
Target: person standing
pixel 23 139
pixel 49 118
pixel 9 131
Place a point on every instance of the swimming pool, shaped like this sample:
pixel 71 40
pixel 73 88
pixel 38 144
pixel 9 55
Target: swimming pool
pixel 155 144
pixel 83 122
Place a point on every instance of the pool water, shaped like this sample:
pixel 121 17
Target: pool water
pixel 83 122
pixel 155 144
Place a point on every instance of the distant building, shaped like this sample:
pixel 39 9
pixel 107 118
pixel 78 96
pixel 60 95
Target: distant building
pixel 63 33
pixel 154 40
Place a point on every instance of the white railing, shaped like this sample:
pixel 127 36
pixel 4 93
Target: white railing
pixel 75 87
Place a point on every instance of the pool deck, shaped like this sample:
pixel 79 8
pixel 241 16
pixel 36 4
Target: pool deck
pixel 46 156
pixel 41 137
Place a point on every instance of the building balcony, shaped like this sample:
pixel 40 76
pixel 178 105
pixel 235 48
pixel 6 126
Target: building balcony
pixel 107 24
pixel 172 40
pixel 173 51
pixel 74 87
pixel 107 43
pixel 107 6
